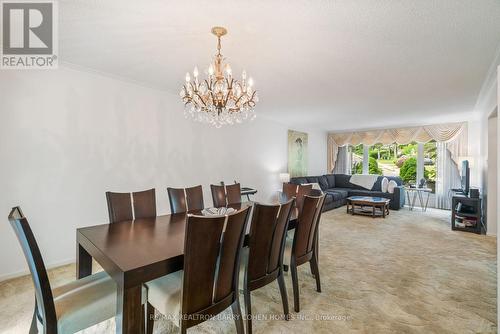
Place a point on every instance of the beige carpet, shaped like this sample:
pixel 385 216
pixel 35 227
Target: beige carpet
pixel 408 273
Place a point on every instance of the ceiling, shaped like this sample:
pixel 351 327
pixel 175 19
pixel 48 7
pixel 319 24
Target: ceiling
pixel 327 64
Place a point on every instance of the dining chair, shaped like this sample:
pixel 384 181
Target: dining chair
pixel 208 284
pixel 233 193
pixel 69 308
pixel 177 199
pixel 185 199
pixel 194 198
pixel 302 190
pixel 289 190
pixel 218 195
pixel 119 206
pixel 144 204
pixel 302 248
pixel 264 261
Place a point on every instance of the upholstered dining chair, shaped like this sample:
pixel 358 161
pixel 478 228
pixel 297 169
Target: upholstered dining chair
pixel 69 308
pixel 302 248
pixel 120 205
pixel 218 195
pixel 185 199
pixel 208 284
pixel 264 261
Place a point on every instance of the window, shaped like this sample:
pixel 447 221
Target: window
pixel 430 154
pixel 356 157
pixel 397 160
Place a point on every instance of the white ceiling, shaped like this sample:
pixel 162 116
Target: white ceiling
pixel 327 64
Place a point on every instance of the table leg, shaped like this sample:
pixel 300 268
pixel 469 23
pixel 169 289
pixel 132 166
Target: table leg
pixel 373 211
pixel 427 201
pixel 383 211
pixel 420 199
pixel 409 200
pixel 129 310
pixel 414 200
pixel 83 262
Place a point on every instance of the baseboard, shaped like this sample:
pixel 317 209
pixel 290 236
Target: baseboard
pixel 5 277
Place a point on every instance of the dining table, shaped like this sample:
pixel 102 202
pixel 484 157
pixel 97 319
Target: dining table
pixel 135 252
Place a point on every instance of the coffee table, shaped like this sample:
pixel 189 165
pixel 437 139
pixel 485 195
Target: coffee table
pixel 368 206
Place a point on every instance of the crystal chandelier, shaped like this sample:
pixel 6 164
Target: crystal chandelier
pixel 219 99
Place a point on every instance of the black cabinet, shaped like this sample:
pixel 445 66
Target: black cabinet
pixel 466 214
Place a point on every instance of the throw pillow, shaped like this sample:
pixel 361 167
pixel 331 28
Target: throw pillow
pixel 390 188
pixel 385 184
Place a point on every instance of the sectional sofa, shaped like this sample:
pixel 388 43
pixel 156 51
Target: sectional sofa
pixel 337 188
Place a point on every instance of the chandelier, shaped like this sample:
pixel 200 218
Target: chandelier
pixel 219 99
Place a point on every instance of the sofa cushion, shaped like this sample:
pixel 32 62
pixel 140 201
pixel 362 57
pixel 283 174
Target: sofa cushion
pixel 391 186
pixel 312 179
pixel 337 196
pixel 344 192
pixel 330 178
pixel 298 180
pixel 323 182
pixel 342 181
pixel 328 198
pixel 377 186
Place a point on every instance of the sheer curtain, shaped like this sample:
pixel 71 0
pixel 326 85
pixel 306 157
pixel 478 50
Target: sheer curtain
pixel 342 163
pixel 447 176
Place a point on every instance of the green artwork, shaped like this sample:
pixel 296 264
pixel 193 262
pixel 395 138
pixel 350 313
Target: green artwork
pixel 297 153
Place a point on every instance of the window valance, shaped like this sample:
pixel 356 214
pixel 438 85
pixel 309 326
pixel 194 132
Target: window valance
pixel 455 134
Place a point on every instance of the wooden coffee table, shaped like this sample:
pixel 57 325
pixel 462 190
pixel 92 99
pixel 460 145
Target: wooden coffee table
pixel 368 206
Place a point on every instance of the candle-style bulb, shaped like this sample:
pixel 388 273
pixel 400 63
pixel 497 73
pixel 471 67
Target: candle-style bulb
pixel 250 82
pixel 244 75
pixel 211 69
pixel 195 71
pixel 188 77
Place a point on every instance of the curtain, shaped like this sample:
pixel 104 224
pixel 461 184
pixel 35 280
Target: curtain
pixel 447 176
pixel 343 163
pixel 453 133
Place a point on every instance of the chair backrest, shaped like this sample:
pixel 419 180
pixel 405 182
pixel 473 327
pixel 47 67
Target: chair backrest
pixel 44 302
pixel 177 199
pixel 194 198
pixel 302 190
pixel 144 204
pixel 233 193
pixel 218 195
pixel 289 189
pixel 119 206
pixel 212 250
pixel 267 242
pixel 303 240
pixel 185 199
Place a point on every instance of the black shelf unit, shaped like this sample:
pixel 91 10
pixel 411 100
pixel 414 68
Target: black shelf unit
pixel 474 213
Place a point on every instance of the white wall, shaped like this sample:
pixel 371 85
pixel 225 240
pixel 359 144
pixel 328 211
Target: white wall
pixel 492 177
pixel 68 136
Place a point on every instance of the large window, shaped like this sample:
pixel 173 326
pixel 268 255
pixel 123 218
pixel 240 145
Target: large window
pixel 430 154
pixel 397 160
pixel 356 157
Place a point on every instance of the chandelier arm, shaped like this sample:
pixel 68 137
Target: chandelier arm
pixel 199 96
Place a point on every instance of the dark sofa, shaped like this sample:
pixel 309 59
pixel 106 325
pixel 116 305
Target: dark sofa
pixel 337 188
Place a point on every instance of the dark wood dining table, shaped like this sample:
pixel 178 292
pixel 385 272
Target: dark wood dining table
pixel 135 252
